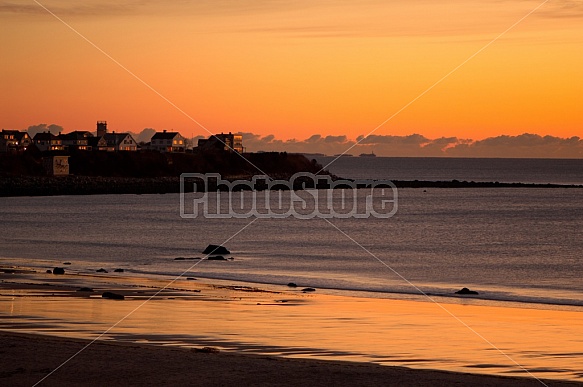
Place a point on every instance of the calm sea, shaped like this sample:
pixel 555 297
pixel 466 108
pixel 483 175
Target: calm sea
pixel 557 171
pixel 510 244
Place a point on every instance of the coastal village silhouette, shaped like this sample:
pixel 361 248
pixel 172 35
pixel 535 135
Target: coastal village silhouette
pixel 57 149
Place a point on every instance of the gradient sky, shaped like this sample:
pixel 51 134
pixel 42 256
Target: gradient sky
pixel 295 68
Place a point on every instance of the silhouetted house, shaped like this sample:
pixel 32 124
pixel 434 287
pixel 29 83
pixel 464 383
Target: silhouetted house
pixel 98 144
pixel 14 140
pixel 121 142
pixel 228 142
pixel 24 140
pixel 8 141
pixel 76 140
pixel 47 141
pixel 167 142
pixel 56 165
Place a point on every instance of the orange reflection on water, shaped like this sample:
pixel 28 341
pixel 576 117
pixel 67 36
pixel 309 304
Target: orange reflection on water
pixel 483 339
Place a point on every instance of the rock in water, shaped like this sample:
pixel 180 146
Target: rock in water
pixel 112 296
pixel 215 249
pixel 118 271
pixel 467 291
pixel 308 290
pixel 102 270
pixel 58 270
pixel 292 285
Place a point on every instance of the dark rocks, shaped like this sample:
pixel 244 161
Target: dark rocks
pixel 102 270
pixel 191 279
pixel 88 290
pixel 292 285
pixel 217 258
pixel 112 296
pixel 467 291
pixel 48 271
pixel 179 259
pixel 66 263
pixel 308 290
pixel 186 258
pixel 118 271
pixel 58 270
pixel 215 249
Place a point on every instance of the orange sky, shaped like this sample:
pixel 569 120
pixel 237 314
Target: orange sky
pixel 295 68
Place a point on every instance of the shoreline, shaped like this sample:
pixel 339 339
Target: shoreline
pixel 94 185
pixel 484 298
pixel 117 363
pixel 260 322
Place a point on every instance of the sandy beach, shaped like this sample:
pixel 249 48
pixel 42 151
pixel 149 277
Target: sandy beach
pixel 27 359
pixel 209 332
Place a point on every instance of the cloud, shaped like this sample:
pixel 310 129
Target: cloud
pixel 144 136
pixel 525 145
pixel 68 8
pixel 441 145
pixel 563 9
pixel 335 139
pixel 125 7
pixel 40 128
pixel 314 144
pixel 413 139
pixel 295 18
pixel 416 145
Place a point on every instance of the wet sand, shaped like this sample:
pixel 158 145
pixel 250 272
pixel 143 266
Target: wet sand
pixel 29 359
pixel 268 335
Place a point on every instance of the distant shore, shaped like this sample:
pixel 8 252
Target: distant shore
pixel 94 185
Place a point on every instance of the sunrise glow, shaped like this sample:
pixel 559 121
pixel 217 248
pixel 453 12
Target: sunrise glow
pixel 295 68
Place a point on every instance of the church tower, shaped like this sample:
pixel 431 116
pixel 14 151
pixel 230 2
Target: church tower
pixel 101 128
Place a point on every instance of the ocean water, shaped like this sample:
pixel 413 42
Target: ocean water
pixel 518 247
pixel 510 244
pixel 555 171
